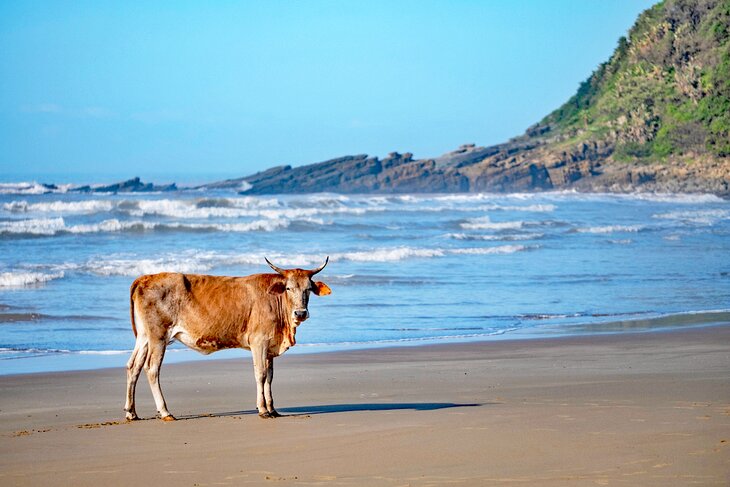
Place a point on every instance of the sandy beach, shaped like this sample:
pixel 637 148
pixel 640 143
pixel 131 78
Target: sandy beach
pixel 634 409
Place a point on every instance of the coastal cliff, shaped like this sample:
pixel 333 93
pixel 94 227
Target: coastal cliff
pixel 654 117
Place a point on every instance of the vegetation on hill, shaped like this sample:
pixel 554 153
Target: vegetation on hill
pixel 664 92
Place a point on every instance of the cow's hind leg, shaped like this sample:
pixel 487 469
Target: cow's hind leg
pixel 134 367
pixel 155 354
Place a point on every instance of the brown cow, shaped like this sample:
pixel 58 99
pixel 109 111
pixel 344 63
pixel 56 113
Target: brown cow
pixel 260 313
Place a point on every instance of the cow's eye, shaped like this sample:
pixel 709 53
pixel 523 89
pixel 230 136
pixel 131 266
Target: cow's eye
pixel 288 289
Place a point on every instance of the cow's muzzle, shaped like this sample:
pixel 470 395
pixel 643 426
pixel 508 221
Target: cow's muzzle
pixel 300 315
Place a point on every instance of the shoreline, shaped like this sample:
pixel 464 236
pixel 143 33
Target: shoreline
pixel 643 409
pixel 72 361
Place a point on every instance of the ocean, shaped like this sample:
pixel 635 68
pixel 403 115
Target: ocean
pixel 404 269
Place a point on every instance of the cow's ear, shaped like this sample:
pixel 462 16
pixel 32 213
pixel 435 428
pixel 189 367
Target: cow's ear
pixel 321 289
pixel 277 288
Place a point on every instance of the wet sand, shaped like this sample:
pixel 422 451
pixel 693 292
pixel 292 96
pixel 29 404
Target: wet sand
pixel 634 409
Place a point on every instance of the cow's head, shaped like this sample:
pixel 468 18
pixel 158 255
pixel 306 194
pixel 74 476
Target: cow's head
pixel 296 287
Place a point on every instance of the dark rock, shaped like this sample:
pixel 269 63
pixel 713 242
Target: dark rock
pixel 130 186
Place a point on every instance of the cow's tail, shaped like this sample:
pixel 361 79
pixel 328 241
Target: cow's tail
pixel 131 306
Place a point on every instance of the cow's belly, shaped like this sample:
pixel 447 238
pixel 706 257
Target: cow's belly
pixel 202 344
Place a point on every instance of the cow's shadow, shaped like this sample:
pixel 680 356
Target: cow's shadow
pixel 341 408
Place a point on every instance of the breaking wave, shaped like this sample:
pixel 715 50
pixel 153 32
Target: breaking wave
pixel 232 208
pixel 573 195
pixel 501 237
pixel 33 188
pixel 67 207
pixel 26 278
pixel 262 207
pixel 611 229
pixel 697 217
pixel 205 261
pixel 503 249
pixel 485 223
pixel 58 226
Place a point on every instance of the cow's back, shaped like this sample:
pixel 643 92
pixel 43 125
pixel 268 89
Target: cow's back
pixel 207 313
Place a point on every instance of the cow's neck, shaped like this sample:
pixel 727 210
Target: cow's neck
pixel 286 338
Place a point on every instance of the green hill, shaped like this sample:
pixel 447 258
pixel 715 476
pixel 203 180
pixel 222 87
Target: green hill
pixel 666 89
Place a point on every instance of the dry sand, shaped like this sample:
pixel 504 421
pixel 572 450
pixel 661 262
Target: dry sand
pixel 645 409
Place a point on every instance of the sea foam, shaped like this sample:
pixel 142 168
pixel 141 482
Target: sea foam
pixel 485 223
pixel 62 207
pixel 611 229
pixel 32 188
pixel 707 217
pixel 200 261
pixel 500 237
pixel 25 278
pixel 58 226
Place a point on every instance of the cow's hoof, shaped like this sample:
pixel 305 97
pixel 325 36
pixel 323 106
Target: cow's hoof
pixel 169 417
pixel 274 414
pixel 265 415
pixel 131 416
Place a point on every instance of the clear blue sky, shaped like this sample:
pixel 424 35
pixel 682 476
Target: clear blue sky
pixel 93 91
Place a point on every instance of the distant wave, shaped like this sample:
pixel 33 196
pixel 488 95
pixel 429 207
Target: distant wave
pixel 566 195
pixel 697 217
pixel 235 208
pixel 57 226
pixel 673 197
pixel 33 188
pixel 571 194
pixel 402 253
pixel 612 229
pixel 185 209
pixel 457 201
pixel 500 237
pixel 319 205
pixel 527 208
pixel 204 261
pixel 66 207
pixel 503 249
pixel 485 223
pixel 267 207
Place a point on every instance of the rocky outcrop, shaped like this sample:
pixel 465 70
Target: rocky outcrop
pixel 359 174
pixel 524 164
pixel 134 185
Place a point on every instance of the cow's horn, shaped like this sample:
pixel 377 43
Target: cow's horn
pixel 277 269
pixel 322 266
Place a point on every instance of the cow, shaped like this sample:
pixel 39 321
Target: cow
pixel 260 313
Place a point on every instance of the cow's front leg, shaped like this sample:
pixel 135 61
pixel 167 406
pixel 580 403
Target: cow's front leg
pixel 267 388
pixel 260 369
